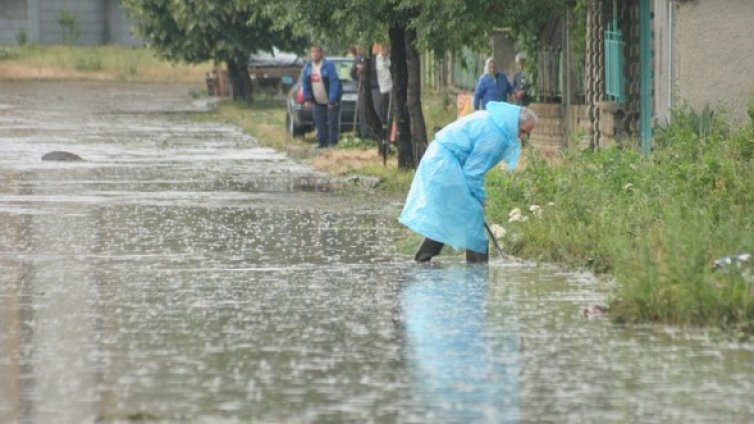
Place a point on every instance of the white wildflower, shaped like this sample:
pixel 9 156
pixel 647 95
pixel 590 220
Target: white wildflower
pixel 515 215
pixel 498 231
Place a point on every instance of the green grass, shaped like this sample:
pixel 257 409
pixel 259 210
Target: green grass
pixel 439 108
pixel 655 223
pixel 263 119
pixel 98 62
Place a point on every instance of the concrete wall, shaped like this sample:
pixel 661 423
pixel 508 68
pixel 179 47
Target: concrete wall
pixel 97 21
pixel 663 61
pixel 120 26
pixel 504 53
pixel 89 15
pixel 13 20
pixel 713 54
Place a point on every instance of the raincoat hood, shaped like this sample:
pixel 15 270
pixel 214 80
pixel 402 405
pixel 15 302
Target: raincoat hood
pixel 505 116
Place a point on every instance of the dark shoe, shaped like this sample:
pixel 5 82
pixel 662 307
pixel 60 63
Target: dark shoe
pixel 476 257
pixel 427 249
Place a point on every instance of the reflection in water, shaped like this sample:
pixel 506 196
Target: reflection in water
pixel 462 369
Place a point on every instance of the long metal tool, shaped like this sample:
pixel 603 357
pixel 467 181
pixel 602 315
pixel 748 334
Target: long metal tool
pixel 356 131
pixel 386 131
pixel 503 256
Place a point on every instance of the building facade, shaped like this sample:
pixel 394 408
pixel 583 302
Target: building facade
pixel 648 57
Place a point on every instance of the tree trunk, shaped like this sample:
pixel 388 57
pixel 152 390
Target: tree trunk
pixel 399 71
pixel 366 103
pixel 413 100
pixel 240 81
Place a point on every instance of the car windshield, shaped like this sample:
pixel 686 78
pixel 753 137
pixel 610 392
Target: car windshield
pixel 344 68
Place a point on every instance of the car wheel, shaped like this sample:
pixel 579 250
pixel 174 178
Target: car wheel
pixel 291 128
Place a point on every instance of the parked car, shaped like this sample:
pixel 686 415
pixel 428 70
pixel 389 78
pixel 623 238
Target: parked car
pixel 298 119
pixel 276 70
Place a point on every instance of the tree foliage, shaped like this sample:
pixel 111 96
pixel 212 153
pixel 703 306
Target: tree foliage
pixel 219 30
pixel 229 30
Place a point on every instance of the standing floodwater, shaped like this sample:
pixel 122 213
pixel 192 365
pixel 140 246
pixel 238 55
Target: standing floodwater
pixel 182 273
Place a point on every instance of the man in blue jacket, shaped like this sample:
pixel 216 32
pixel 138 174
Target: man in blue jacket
pixel 492 86
pixel 446 201
pixel 322 90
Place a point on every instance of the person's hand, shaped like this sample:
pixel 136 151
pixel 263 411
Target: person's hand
pixel 520 94
pixel 308 104
pixel 331 105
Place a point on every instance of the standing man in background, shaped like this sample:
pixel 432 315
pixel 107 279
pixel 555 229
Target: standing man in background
pixel 322 90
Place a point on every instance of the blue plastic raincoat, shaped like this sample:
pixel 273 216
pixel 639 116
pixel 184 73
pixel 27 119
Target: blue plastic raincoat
pixel 446 199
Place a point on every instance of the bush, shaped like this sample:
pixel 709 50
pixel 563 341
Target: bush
pixel 8 53
pixel 21 37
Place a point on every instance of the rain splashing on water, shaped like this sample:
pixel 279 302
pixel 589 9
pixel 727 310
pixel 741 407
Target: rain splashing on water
pixel 182 272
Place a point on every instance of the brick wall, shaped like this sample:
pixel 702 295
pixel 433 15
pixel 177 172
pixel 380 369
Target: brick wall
pixel 550 136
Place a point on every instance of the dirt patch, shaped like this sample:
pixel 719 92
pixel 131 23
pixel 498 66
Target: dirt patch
pixel 341 161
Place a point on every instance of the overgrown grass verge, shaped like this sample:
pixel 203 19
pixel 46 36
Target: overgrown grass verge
pixel 94 62
pixel 655 222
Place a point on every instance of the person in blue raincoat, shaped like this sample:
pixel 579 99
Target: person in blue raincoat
pixel 446 201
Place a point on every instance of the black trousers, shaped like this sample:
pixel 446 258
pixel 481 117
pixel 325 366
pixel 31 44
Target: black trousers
pixel 430 248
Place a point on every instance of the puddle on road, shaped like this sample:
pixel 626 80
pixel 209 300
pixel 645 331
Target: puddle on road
pixel 184 273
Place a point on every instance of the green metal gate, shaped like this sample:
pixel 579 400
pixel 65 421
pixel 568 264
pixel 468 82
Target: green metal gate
pixel 615 79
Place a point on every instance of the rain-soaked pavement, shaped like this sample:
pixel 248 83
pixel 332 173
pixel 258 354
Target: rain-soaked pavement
pixel 183 273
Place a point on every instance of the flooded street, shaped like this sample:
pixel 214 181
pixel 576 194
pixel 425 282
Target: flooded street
pixel 184 273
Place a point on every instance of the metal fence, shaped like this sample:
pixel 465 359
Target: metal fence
pixel 550 75
pixel 466 69
pixel 614 78
pixel 462 71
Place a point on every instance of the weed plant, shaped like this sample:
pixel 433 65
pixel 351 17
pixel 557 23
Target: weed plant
pixel 654 222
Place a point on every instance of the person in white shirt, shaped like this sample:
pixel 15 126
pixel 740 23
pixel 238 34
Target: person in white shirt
pixel 385 82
